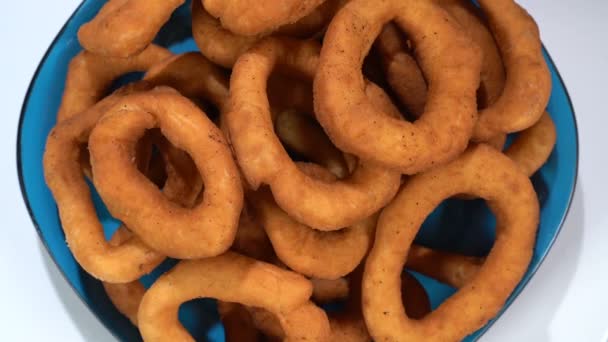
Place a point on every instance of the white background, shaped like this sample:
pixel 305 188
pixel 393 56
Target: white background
pixel 566 301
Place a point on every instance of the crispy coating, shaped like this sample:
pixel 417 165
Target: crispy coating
pixel 492 68
pixel 215 42
pixel 449 268
pixel 321 205
pixel 349 325
pixel 314 22
pixel 528 81
pixel 252 18
pixel 510 196
pixel 207 229
pixel 193 75
pixel 314 253
pixel 83 230
pixel 405 77
pixel 224 47
pixel 90 76
pixel 124 28
pixel 447 57
pixel 533 146
pixel 232 278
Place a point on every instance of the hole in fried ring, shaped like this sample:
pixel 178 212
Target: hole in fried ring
pixel 208 228
pixel 237 279
pixel 511 197
pixel 450 61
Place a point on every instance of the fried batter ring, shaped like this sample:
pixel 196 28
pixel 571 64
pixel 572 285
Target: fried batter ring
pixel 448 58
pixel 90 76
pixel 207 229
pixel 237 279
pixel 528 83
pixel 481 171
pixel 124 28
pixel 326 255
pixel 252 18
pixel 83 231
pixel 263 159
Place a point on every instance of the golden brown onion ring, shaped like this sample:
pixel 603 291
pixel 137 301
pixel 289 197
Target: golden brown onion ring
pixel 448 58
pixel 481 171
pixel 207 229
pixel 83 230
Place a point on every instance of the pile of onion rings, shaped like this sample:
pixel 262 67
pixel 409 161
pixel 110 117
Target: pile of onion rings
pixel 290 164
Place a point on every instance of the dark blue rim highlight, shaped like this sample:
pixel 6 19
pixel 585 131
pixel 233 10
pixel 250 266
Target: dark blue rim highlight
pixel 105 324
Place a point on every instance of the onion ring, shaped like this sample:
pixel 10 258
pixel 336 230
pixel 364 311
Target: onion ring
pixel 511 197
pixel 251 18
pixel 533 146
pixel 83 231
pixel 528 83
pixel 355 126
pixel 232 278
pixel 124 28
pixel 90 76
pixel 209 228
pixel 317 204
pixel 326 255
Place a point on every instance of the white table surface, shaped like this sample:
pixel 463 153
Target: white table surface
pixel 567 300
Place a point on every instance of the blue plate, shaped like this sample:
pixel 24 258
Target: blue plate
pixel 461 226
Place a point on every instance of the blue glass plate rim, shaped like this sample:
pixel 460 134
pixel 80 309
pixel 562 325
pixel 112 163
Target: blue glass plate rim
pixel 106 324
